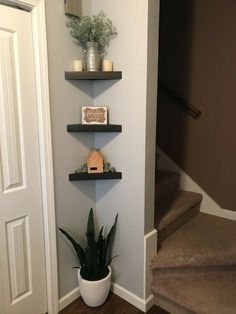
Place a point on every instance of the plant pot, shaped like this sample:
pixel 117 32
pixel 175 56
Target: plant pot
pixel 94 293
pixel 92 56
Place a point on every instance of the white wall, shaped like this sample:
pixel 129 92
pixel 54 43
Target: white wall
pixel 127 101
pixel 73 200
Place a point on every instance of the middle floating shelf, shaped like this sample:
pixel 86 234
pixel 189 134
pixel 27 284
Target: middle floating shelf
pixel 94 128
pixel 94 176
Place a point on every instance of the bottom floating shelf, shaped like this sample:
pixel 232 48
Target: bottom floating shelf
pixel 95 176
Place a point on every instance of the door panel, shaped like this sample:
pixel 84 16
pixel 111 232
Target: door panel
pixel 11 153
pixel 18 257
pixel 22 258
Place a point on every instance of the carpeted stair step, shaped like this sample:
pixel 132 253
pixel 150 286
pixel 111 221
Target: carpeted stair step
pixel 174 210
pixel 203 241
pixel 166 183
pixel 205 293
pixel 184 272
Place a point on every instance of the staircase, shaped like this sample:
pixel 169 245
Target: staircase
pixel 194 270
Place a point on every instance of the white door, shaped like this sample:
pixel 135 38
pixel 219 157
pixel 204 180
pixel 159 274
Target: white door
pixel 22 257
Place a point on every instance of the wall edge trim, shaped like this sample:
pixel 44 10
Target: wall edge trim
pixel 45 149
pixel 150 249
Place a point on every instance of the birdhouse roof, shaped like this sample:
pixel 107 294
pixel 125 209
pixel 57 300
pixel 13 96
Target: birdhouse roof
pixel 95 156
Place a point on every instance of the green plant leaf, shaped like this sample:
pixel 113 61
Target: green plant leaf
pixel 102 253
pixel 90 226
pixel 111 234
pixel 93 259
pixel 100 237
pixel 78 249
pixel 88 260
pixel 110 260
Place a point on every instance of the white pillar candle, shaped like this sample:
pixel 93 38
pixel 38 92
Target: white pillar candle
pixel 78 65
pixel 107 65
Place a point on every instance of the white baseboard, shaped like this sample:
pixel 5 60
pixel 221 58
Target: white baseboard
pixel 69 298
pixel 143 305
pixel 221 212
pixel 208 205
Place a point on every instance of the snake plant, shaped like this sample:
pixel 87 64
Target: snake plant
pixel 94 259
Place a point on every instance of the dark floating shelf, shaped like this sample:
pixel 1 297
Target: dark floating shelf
pixel 94 128
pixel 95 176
pixel 98 75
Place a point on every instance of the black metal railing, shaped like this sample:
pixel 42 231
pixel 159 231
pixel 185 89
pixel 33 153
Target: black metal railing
pixel 192 110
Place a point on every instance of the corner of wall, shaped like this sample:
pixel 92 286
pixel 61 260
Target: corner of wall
pixel 151 111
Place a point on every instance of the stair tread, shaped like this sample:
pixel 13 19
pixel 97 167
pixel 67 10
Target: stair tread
pixel 201 293
pixel 173 206
pixel 205 240
pixel 165 177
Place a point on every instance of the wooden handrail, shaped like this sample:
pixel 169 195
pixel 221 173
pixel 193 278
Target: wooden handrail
pixel 192 110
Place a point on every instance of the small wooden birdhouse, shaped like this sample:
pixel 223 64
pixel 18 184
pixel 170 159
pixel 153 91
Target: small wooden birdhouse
pixel 95 162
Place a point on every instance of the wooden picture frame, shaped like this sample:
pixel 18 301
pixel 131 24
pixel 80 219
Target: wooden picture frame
pixel 94 115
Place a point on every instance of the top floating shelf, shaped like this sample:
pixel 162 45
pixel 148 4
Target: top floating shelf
pixel 98 75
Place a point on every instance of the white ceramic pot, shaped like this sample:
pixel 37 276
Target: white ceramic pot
pixel 94 293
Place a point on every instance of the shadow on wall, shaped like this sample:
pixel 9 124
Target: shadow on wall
pixel 176 22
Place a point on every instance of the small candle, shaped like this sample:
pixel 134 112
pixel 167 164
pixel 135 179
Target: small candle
pixel 107 65
pixel 78 65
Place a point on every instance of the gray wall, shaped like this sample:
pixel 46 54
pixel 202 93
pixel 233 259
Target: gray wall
pixel 127 101
pixel 129 151
pixel 73 200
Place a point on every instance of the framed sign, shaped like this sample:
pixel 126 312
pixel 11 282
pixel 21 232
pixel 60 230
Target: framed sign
pixel 94 115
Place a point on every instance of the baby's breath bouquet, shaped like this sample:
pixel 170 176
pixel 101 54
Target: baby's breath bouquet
pixel 97 28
